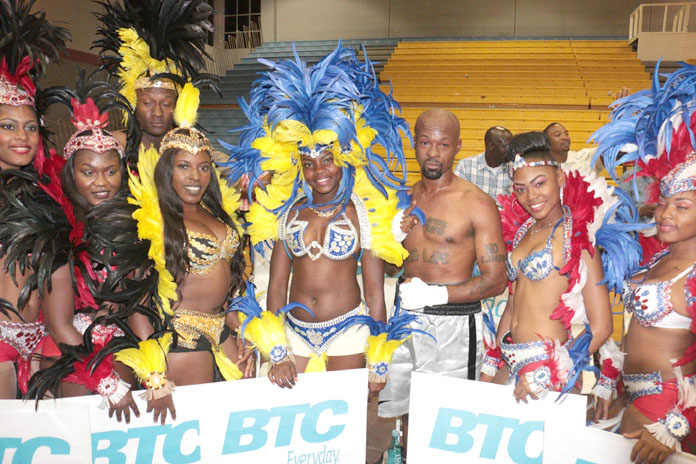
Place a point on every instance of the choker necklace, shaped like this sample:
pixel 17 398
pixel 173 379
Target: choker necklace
pixel 329 213
pixel 533 231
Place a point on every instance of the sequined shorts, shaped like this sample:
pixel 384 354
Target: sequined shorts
pixel 307 338
pixel 519 355
pixel 652 396
pixel 199 331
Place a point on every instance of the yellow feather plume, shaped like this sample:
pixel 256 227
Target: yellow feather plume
pixel 228 369
pixel 187 103
pixel 136 62
pixel 265 332
pixel 150 356
pixel 316 363
pixel 380 212
pixel 150 227
pixel 379 349
pixel 231 201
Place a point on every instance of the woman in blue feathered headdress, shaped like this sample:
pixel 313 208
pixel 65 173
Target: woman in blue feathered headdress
pixel 331 143
pixel 655 129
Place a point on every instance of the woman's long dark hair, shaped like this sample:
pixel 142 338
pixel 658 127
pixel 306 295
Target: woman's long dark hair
pixel 175 238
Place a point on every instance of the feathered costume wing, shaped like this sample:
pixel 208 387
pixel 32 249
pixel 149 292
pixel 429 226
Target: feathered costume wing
pixel 336 105
pixel 655 130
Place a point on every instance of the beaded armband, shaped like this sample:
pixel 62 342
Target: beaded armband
pixel 612 364
pixel 378 371
pixel 279 354
pixel 157 386
pixel 492 361
pixel 112 389
pixel 539 381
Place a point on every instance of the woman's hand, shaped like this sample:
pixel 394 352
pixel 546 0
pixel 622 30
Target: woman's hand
pixel 601 411
pixel 124 407
pixel 375 388
pixel 160 406
pixel 648 450
pixel 523 389
pixel 408 222
pixel 246 355
pixel 486 378
pixel 283 374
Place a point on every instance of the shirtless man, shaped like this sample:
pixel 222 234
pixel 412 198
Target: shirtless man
pixel 462 228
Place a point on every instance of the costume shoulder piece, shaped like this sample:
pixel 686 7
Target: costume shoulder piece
pixel 35 232
pixel 335 105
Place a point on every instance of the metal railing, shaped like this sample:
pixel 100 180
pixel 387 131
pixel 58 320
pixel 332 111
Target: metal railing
pixel 660 17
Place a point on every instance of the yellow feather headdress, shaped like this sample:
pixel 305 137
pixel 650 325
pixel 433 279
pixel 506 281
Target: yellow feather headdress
pixel 335 105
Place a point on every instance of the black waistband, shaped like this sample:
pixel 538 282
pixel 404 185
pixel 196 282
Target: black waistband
pixel 449 309
pixel 454 309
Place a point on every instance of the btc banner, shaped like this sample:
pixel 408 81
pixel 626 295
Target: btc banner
pixel 564 444
pixel 454 421
pixel 320 421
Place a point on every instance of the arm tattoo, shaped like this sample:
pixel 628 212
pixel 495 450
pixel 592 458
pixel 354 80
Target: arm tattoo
pixel 435 226
pixel 491 254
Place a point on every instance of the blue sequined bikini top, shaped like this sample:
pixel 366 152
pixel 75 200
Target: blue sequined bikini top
pixel 341 239
pixel 651 303
pixel 539 264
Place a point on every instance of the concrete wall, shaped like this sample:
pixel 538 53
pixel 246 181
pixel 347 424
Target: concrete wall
pixel 284 20
pixel 75 15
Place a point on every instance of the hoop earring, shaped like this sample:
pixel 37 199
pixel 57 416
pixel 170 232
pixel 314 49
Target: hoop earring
pixel 562 195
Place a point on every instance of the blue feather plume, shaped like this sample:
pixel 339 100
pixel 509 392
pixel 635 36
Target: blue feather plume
pixel 397 328
pixel 323 96
pixel 248 305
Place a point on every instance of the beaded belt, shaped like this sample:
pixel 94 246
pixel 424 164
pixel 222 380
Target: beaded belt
pixel 22 336
pixel 191 325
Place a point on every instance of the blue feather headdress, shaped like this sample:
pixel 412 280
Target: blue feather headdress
pixel 335 105
pixel 653 128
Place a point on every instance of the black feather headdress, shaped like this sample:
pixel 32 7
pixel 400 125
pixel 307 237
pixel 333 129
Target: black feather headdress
pixel 141 41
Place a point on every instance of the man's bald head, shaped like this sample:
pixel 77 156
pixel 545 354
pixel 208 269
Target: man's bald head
pixel 442 119
pixel 437 143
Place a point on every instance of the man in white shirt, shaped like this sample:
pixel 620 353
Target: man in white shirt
pixel 489 170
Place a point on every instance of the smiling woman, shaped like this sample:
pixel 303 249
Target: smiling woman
pixel 653 131
pixel 19 136
pixel 190 217
pixel 556 271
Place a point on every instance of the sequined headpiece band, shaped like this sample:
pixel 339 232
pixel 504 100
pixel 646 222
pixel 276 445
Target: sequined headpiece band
pixel 13 95
pixel 149 83
pixel 86 117
pixel 183 138
pixel 520 162
pixel 680 179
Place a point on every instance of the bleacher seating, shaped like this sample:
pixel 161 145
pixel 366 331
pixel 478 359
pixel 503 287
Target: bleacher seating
pixel 520 84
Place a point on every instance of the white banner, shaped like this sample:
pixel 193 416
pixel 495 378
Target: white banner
pixel 565 444
pixel 454 421
pixel 320 421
